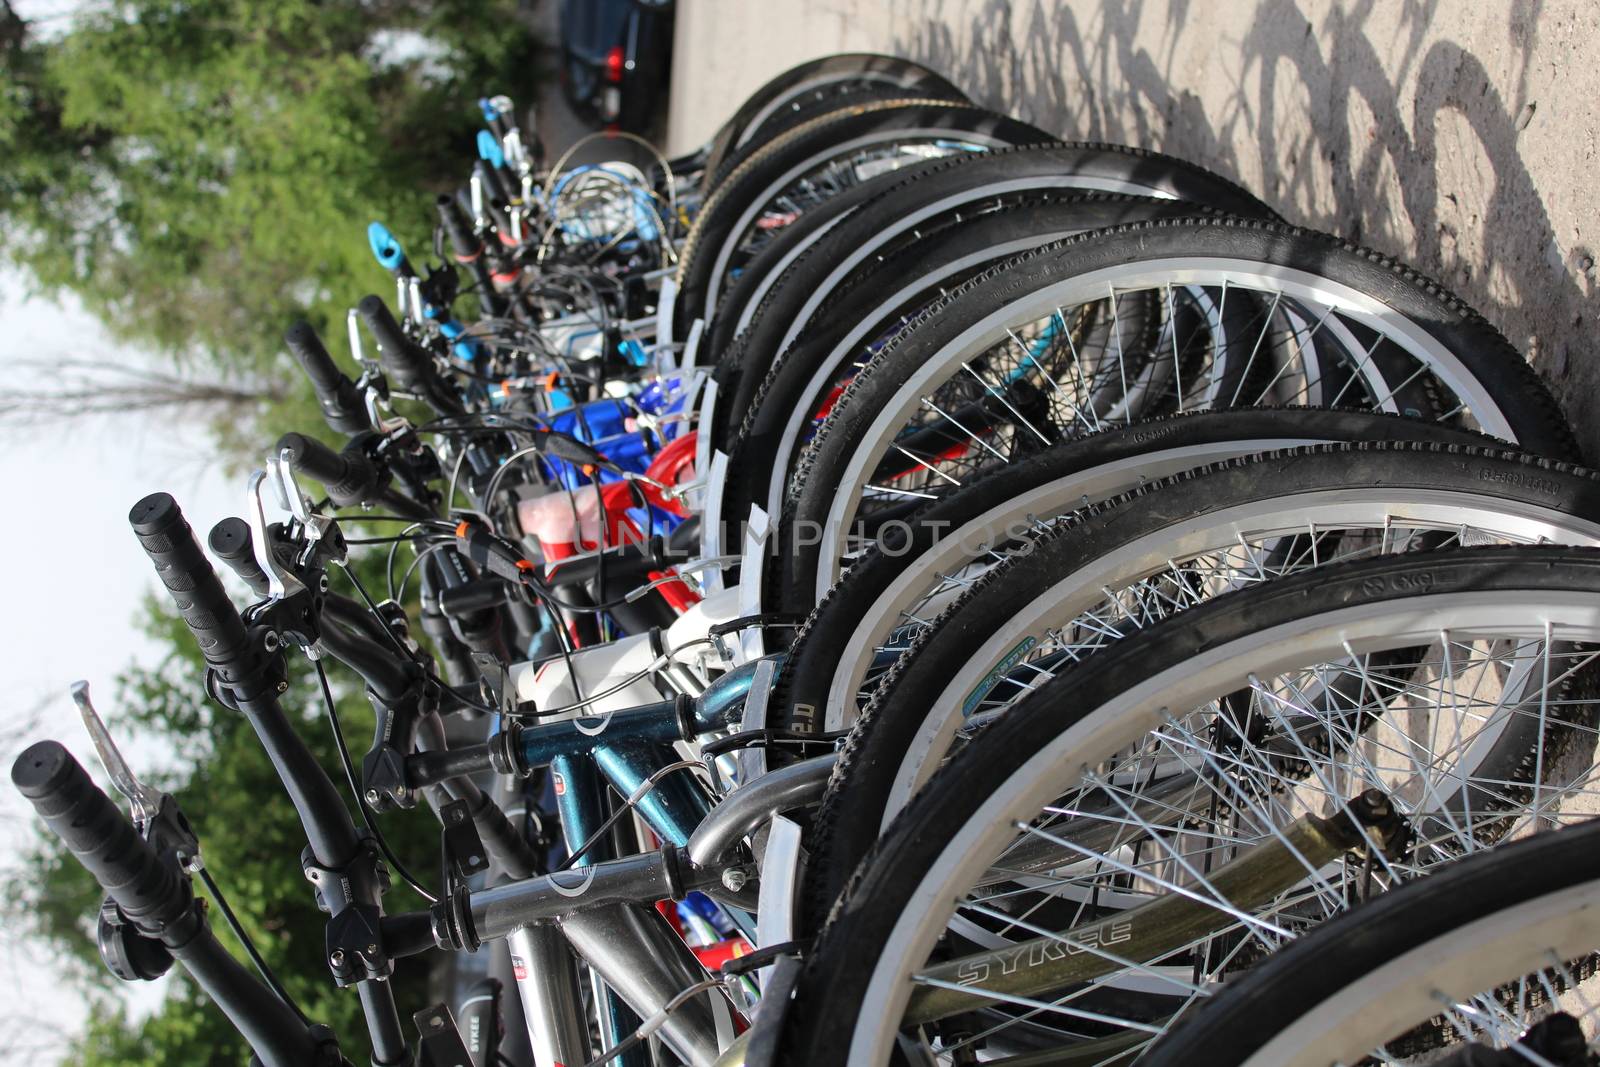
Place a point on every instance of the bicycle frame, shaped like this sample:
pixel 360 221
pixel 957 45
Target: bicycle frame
pixel 624 942
pixel 626 751
pixel 602 908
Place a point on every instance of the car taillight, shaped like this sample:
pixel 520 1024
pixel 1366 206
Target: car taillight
pixel 614 65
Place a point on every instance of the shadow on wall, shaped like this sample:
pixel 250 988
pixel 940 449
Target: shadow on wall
pixel 1091 79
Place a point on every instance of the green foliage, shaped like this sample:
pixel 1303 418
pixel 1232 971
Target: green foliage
pixel 201 174
pixel 252 841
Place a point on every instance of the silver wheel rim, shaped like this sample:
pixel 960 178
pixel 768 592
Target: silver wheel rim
pixel 972 848
pixel 1306 289
pixel 1335 510
pixel 894 141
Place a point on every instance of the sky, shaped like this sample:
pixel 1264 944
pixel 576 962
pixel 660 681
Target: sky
pixel 77 578
pixel 75 583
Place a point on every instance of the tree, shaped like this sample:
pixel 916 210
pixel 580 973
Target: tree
pixel 39 393
pixel 201 174
pixel 251 838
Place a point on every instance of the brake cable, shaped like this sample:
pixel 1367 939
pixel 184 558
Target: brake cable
pixel 361 801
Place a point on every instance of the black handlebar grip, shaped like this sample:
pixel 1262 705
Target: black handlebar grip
pixel 631 559
pixel 479 594
pixel 470 253
pixel 338 396
pixel 148 890
pixel 182 568
pixel 307 347
pixel 459 229
pixel 349 476
pixel 231 541
pixel 405 362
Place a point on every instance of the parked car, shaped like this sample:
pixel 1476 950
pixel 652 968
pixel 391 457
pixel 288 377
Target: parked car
pixel 616 56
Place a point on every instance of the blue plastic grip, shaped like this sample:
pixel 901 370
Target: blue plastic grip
pixel 489 148
pixel 385 248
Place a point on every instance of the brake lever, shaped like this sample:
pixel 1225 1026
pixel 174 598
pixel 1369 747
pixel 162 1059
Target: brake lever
pixel 144 801
pixel 402 299
pixel 352 325
pixel 480 216
pixel 373 385
pixel 413 301
pixel 127 952
pixel 155 813
pixel 295 501
pixel 280 582
pixel 383 420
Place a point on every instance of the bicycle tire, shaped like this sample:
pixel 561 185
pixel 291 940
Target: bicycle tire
pixel 910 198
pixel 1292 1009
pixel 814 75
pixel 839 1007
pixel 1515 403
pixel 826 657
pixel 815 103
pixel 911 702
pixel 768 445
pixel 765 448
pixel 799 151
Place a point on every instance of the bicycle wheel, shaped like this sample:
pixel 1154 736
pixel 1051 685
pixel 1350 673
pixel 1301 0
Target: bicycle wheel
pixel 1089 580
pixel 1106 328
pixel 898 588
pixel 867 312
pixel 785 286
pixel 817 79
pixel 1150 823
pixel 812 162
pixel 1496 947
pixel 816 103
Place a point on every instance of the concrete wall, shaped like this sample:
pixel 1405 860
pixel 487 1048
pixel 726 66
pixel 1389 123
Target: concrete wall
pixel 1458 136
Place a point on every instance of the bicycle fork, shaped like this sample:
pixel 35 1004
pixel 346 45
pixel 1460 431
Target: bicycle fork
pixel 638 962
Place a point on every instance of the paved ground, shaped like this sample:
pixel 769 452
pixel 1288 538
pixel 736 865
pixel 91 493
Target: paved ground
pixel 1458 135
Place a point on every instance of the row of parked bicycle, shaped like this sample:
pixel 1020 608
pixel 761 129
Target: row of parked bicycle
pixel 893 587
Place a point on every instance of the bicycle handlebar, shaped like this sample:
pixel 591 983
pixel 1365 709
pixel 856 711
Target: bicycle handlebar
pixel 155 898
pixel 341 402
pixel 148 891
pixel 231 541
pixel 403 361
pixel 465 244
pixel 384 672
pixel 349 476
pixel 406 362
pixel 201 600
pixel 469 251
pixel 632 558
pixel 335 846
